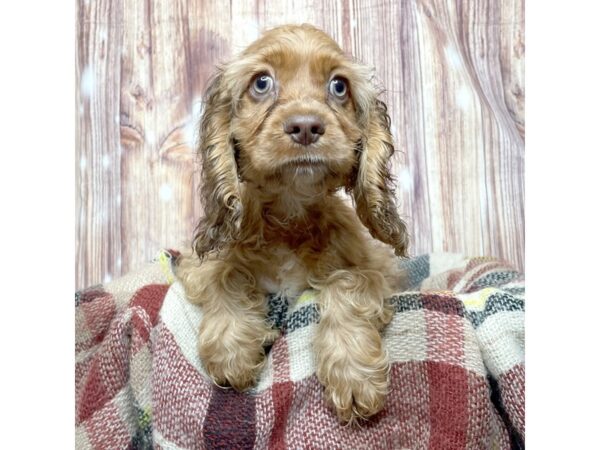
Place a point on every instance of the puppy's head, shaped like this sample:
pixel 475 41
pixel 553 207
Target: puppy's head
pixel 293 109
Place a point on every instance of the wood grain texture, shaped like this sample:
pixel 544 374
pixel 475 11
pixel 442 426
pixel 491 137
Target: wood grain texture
pixel 453 73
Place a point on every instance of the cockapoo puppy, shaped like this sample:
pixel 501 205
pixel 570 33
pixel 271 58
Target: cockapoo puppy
pixel 288 125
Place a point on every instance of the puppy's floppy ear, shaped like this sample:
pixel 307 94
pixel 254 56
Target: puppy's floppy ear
pixel 373 192
pixel 220 190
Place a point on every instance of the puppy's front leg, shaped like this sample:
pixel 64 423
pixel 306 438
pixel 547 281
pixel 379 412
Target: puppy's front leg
pixel 233 331
pixel 351 362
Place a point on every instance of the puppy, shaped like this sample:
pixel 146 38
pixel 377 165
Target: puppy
pixel 287 125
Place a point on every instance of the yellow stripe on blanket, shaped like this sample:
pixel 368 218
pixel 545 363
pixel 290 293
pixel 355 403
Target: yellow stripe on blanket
pixel 307 296
pixel 476 300
pixel 164 261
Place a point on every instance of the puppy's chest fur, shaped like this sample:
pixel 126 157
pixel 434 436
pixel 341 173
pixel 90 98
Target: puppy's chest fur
pixel 287 273
pixel 296 250
pixel 293 252
pixel 289 253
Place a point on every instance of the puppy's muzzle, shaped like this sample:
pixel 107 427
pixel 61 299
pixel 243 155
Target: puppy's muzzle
pixel 305 130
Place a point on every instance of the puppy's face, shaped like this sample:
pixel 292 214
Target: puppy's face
pixel 295 109
pixel 292 109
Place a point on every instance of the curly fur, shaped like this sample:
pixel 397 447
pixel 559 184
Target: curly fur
pixel 274 219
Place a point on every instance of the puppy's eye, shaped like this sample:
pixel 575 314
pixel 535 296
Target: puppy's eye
pixel 262 84
pixel 338 87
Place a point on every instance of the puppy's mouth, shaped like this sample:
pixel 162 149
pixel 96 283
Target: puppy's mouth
pixel 306 165
pixel 307 161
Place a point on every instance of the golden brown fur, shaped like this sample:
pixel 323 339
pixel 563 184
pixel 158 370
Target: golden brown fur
pixel 274 219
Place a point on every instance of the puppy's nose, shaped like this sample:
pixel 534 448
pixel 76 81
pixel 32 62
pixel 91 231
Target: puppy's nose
pixel 304 130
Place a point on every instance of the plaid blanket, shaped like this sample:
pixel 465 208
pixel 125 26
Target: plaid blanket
pixel 456 380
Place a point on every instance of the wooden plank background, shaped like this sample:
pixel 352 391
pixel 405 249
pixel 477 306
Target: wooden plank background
pixel 453 71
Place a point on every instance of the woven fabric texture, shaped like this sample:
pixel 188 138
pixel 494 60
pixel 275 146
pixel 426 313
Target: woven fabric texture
pixel 456 346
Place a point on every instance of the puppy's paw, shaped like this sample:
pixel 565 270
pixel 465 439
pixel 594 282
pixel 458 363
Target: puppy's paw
pixel 355 379
pixel 358 395
pixel 233 352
